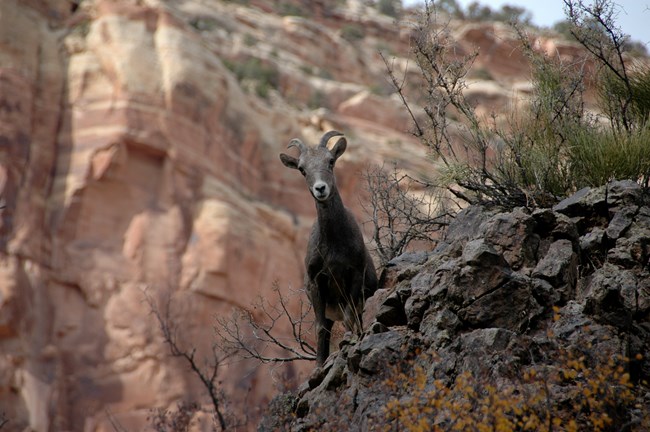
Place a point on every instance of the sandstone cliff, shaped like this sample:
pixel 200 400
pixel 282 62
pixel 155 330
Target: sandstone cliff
pixel 138 143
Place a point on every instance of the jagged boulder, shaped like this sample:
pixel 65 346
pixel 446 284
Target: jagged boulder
pixel 501 292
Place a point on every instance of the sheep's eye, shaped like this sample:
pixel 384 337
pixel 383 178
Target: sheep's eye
pixel 302 170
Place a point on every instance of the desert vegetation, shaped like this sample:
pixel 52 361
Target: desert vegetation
pixel 259 77
pixel 401 213
pixel 569 390
pixel 554 145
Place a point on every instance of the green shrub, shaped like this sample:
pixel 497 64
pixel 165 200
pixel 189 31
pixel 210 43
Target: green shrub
pixel 289 9
pixel 482 74
pixel 563 28
pixel 250 40
pixel 352 32
pixel 640 81
pixel 636 48
pixel 316 100
pixel 599 155
pixel 265 75
pixel 389 7
pixel 385 48
pixel 204 23
pixel 507 13
pixel 629 100
pixel 306 69
pixel 450 7
pixel 554 146
pixel 325 74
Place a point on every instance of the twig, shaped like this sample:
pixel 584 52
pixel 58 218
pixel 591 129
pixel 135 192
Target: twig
pixel 208 378
pixel 114 423
pixel 261 334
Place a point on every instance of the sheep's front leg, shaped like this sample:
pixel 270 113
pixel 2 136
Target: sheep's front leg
pixel 323 325
pixel 324 334
pixel 323 328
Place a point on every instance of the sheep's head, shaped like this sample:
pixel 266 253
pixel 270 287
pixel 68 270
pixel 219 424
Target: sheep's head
pixel 316 164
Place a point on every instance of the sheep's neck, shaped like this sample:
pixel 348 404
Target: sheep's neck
pixel 331 218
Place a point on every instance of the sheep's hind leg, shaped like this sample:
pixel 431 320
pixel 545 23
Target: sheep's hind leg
pixel 352 319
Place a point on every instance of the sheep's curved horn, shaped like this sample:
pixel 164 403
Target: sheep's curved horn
pixel 297 143
pixel 327 136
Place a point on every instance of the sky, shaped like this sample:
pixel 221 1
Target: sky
pixel 634 15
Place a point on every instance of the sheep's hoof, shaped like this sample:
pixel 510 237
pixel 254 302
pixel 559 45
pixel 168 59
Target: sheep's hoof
pixel 350 338
pixel 317 376
pixel 377 327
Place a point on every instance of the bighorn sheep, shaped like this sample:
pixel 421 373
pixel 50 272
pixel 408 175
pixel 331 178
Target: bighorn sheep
pixel 340 273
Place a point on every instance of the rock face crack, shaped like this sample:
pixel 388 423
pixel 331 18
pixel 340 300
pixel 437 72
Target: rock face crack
pixel 485 292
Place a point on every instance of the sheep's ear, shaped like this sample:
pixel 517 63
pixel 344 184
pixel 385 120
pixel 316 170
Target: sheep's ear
pixel 339 148
pixel 289 161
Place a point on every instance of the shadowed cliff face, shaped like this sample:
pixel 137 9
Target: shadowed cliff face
pixel 138 152
pixel 529 309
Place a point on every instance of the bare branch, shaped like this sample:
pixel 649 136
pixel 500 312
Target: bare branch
pixel 117 427
pixel 248 337
pixel 594 27
pixel 180 420
pixel 207 377
pixel 398 215
pixel 464 147
pixel 399 87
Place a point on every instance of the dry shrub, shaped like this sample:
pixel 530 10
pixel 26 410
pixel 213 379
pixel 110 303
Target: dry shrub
pixel 402 211
pixel 180 420
pixel 552 147
pixel 580 390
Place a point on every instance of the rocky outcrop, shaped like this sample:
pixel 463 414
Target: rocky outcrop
pixel 138 153
pixel 500 294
